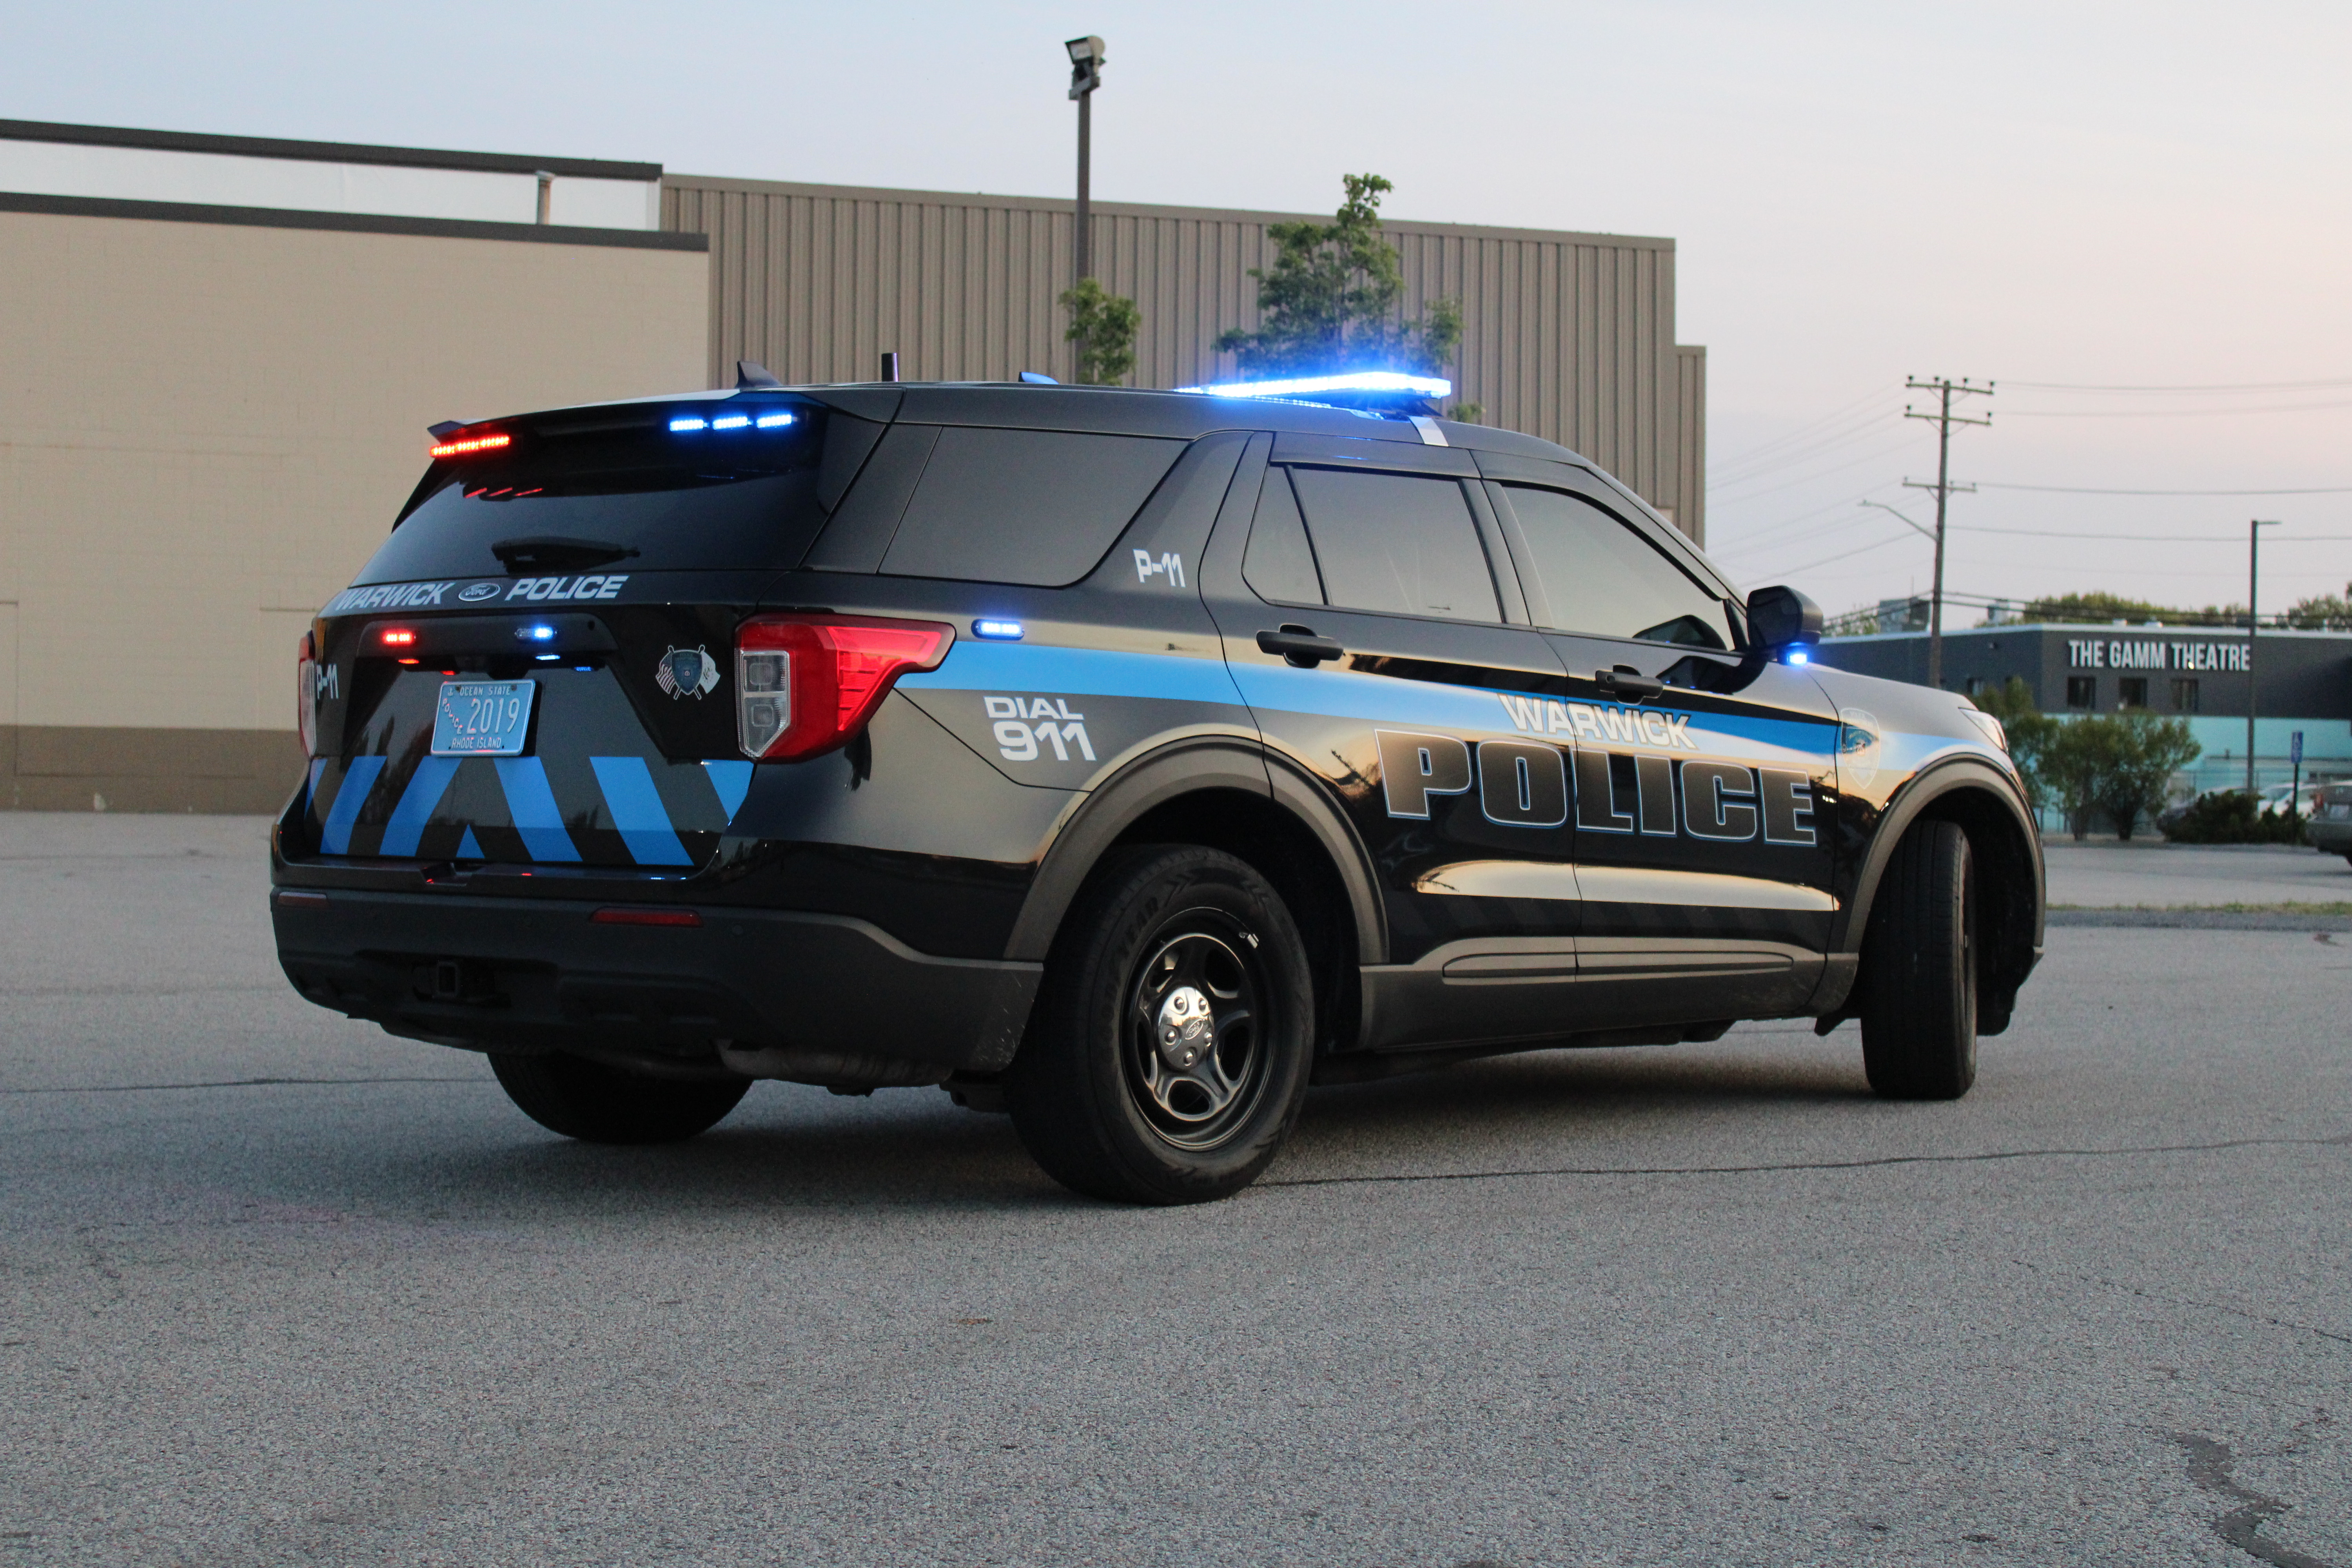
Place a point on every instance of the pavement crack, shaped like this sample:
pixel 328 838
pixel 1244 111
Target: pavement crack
pixel 240 1083
pixel 2276 1322
pixel 1984 1157
pixel 2209 1465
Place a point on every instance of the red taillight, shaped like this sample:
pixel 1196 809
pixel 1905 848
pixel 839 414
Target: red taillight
pixel 805 684
pixel 306 694
pixel 398 636
pixel 465 446
pixel 641 917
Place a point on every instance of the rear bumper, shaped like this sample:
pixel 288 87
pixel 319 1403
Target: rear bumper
pixel 538 973
pixel 2332 835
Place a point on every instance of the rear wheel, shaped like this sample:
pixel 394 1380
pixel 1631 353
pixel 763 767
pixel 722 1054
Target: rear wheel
pixel 601 1104
pixel 1919 969
pixel 1169 1054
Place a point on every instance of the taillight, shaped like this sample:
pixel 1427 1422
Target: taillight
pixel 306 694
pixel 805 684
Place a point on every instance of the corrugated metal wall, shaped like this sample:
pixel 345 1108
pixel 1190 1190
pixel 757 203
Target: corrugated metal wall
pixel 1567 336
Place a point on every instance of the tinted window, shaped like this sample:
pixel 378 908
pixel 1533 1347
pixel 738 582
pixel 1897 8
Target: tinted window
pixel 1600 577
pixel 1395 543
pixel 710 499
pixel 1279 564
pixel 1024 505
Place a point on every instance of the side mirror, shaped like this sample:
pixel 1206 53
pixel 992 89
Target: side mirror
pixel 1780 619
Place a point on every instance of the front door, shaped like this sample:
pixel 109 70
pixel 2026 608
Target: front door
pixel 1381 651
pixel 1703 776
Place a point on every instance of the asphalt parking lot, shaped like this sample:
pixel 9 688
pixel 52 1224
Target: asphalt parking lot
pixel 276 1288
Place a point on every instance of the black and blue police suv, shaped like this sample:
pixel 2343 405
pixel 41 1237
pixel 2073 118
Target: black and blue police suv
pixel 1128 761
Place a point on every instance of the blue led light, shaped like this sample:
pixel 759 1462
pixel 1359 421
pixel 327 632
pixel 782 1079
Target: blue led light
pixel 997 631
pixel 1354 380
pixel 687 421
pixel 1798 656
pixel 536 634
pixel 770 421
pixel 549 658
pixel 730 421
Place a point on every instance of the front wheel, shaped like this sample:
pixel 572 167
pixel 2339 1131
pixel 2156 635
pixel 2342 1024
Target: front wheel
pixel 1919 969
pixel 1169 1054
pixel 599 1104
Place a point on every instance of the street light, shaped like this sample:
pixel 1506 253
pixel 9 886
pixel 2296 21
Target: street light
pixel 2253 573
pixel 1087 56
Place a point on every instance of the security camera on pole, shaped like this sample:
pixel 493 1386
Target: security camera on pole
pixel 1085 75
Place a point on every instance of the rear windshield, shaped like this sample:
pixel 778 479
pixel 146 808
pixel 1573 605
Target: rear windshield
pixel 645 487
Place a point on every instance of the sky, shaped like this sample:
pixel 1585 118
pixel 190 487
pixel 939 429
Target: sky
pixel 2080 204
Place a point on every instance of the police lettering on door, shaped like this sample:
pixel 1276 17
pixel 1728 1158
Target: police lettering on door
pixel 1627 778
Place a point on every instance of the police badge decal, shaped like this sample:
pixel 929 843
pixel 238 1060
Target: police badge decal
pixel 686 671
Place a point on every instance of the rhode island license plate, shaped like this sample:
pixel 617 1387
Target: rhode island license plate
pixel 482 717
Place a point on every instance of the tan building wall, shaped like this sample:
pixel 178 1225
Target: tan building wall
pixel 1567 336
pixel 207 419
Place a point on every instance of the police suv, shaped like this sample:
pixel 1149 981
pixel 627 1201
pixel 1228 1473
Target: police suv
pixel 1125 759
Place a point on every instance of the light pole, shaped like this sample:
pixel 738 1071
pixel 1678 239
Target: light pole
pixel 2253 621
pixel 1943 419
pixel 1085 75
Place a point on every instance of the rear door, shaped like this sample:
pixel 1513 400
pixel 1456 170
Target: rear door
pixel 1390 552
pixel 1702 810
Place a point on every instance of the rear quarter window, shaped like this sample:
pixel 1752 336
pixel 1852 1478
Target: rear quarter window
pixel 1034 507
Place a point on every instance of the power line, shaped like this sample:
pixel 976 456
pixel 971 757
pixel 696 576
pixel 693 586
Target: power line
pixel 2089 490
pixel 2169 412
pixel 1809 428
pixel 2224 386
pixel 1817 474
pixel 2151 538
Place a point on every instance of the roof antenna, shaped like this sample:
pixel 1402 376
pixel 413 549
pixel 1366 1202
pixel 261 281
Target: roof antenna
pixel 891 365
pixel 750 374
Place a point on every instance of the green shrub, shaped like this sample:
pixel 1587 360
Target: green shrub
pixel 2233 816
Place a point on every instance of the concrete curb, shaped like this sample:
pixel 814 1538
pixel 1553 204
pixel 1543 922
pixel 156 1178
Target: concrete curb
pixel 2200 919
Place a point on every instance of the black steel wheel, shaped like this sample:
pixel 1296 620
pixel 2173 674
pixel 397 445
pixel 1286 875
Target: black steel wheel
pixel 1918 974
pixel 601 1104
pixel 1169 1053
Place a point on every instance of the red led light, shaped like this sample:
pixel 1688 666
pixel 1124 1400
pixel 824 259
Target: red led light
pixel 470 444
pixel 398 637
pixel 640 917
pixel 404 661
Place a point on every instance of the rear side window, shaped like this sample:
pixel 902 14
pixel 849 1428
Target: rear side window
pixel 1279 564
pixel 1396 543
pixel 622 487
pixel 1036 507
pixel 1600 577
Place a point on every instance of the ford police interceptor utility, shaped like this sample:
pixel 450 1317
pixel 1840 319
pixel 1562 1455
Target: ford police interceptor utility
pixel 1128 761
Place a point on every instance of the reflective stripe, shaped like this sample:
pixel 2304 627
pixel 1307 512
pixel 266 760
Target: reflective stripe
pixel 637 811
pixel 426 787
pixel 310 791
pixel 335 837
pixel 467 849
pixel 533 806
pixel 1031 667
pixel 732 781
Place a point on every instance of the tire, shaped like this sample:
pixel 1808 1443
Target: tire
pixel 1919 969
pixel 600 1104
pixel 1169 1054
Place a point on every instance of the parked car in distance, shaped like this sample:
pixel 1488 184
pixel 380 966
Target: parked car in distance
pixel 2330 825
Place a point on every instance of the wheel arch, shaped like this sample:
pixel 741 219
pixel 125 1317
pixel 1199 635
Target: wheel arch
pixel 2007 848
pixel 1226 795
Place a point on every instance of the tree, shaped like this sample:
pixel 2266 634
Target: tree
pixel 2142 753
pixel 2100 607
pixel 2322 613
pixel 1103 325
pixel 1333 300
pixel 2030 732
pixel 2072 763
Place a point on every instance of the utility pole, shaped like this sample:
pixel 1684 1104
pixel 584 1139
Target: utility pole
pixel 1085 75
pixel 1946 390
pixel 2253 621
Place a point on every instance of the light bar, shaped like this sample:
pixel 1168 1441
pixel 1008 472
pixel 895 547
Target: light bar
pixel 771 421
pixel 688 422
pixel 730 421
pixel 472 444
pixel 1354 380
pixel 997 631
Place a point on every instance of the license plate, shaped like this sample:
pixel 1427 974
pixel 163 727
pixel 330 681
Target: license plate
pixel 482 717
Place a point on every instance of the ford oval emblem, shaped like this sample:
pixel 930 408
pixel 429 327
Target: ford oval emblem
pixel 475 593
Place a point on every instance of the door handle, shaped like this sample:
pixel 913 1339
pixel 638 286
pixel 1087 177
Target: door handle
pixel 1629 683
pixel 1300 647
